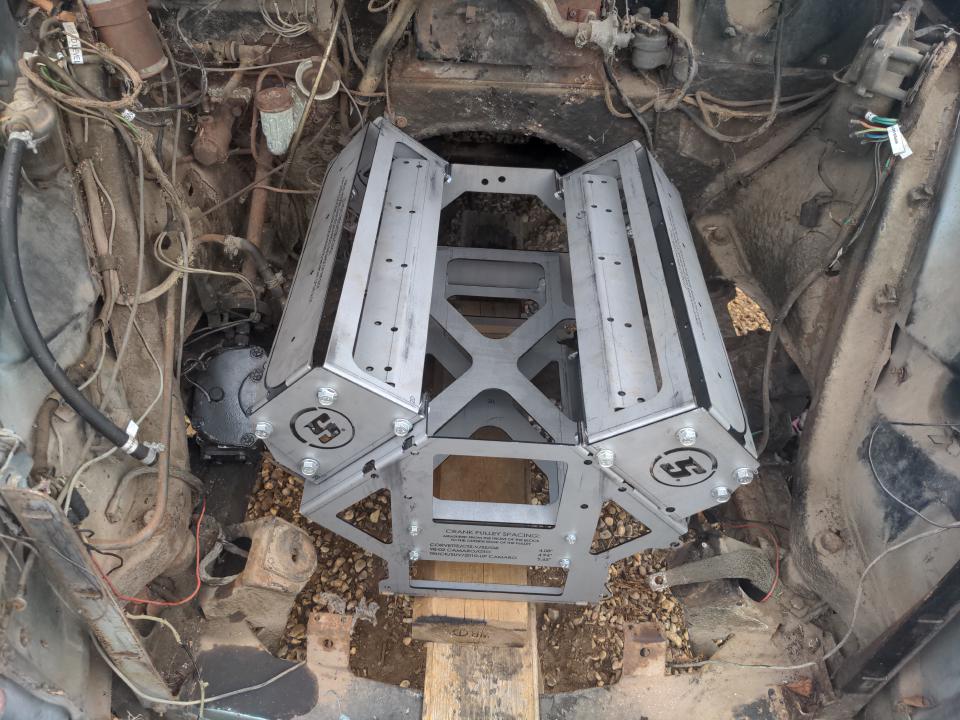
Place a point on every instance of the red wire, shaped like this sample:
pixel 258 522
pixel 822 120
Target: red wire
pixel 776 563
pixel 185 600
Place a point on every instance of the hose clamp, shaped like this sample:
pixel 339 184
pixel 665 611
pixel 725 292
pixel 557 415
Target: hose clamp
pixel 24 136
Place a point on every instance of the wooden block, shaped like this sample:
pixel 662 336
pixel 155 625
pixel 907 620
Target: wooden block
pixel 451 619
pixel 495 622
pixel 480 682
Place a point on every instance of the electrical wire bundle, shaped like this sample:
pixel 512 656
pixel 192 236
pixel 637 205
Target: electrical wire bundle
pixel 874 128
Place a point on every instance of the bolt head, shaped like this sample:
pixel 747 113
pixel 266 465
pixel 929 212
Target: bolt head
pixel 326 396
pixel 414 555
pixel 414 529
pixel 823 60
pixel 565 563
pixel 721 494
pixel 571 538
pixel 606 458
pixel 402 427
pixel 744 475
pixel 309 467
pixel 263 429
pixel 686 436
pixel 729 31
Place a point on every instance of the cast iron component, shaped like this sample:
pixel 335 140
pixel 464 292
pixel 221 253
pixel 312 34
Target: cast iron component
pixel 225 389
pixel 276 560
pixel 624 319
pixel 126 26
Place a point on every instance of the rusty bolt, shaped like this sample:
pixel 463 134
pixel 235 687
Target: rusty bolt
pixel 401 121
pixel 829 542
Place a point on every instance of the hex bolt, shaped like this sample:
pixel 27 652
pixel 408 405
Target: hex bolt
pixel 414 555
pixel 720 494
pixel 402 427
pixel 326 396
pixel 744 475
pixel 686 436
pixel 729 31
pixel 606 458
pixel 565 563
pixel 414 528
pixel 309 467
pixel 263 429
pixel 571 538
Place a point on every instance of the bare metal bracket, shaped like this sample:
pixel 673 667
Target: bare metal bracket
pixel 647 414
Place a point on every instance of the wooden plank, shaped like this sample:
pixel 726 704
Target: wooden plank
pixel 499 622
pixel 480 682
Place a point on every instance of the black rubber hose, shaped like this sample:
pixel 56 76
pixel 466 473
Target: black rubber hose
pixel 12 276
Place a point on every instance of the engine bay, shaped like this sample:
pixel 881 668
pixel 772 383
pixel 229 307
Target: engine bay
pixel 531 359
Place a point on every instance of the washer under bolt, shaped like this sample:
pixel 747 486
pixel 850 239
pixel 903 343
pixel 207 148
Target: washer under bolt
pixel 571 538
pixel 414 528
pixel 606 458
pixel 744 475
pixel 414 555
pixel 309 467
pixel 263 429
pixel 402 427
pixel 326 396
pixel 565 563
pixel 720 494
pixel 686 436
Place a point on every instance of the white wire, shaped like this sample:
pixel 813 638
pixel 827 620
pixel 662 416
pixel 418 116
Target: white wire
pixel 876 475
pixel 853 619
pixel 190 703
pixel 67 493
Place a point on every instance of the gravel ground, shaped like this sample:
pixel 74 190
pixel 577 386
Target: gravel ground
pixel 579 646
pixel 746 314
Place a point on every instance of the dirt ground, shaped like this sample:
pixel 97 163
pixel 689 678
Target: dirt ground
pixel 580 647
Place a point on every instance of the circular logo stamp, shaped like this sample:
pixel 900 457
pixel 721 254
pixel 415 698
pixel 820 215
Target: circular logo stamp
pixel 683 467
pixel 322 428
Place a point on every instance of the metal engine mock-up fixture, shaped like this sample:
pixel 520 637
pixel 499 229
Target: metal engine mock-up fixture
pixel 601 371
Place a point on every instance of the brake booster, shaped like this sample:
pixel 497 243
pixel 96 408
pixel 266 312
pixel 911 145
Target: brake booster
pixel 394 356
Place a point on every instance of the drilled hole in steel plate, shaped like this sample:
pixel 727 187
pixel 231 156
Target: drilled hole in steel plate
pixel 484 182
pixel 328 644
pixel 670 509
pixel 629 325
pixel 501 179
pixel 644 652
pixel 394 328
pixel 377 322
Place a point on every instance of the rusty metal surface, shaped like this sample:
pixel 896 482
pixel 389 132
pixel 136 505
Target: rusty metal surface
pixel 279 562
pixel 67 563
pixel 644 651
pixel 490 31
